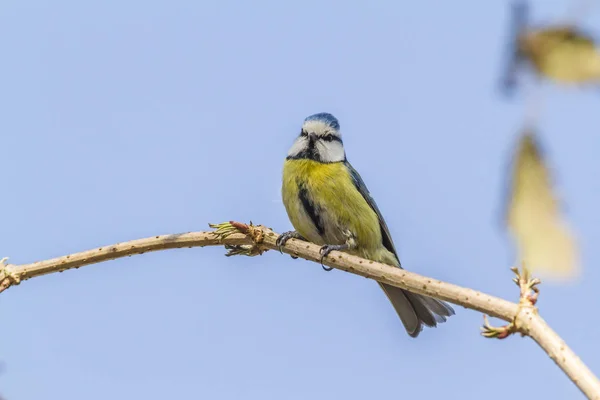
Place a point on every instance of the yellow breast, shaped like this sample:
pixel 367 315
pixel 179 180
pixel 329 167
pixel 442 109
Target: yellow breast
pixel 339 204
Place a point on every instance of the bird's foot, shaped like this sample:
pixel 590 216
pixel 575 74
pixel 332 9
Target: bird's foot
pixel 284 237
pixel 328 248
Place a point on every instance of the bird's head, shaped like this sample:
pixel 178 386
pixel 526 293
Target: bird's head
pixel 319 140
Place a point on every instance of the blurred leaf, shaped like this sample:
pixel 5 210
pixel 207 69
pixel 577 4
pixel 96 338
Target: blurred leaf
pixel 563 54
pixel 518 23
pixel 545 243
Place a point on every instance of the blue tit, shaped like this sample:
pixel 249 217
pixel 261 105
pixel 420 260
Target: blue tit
pixel 328 203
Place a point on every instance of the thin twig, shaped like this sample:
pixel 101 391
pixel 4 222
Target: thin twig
pixel 253 240
pixel 14 274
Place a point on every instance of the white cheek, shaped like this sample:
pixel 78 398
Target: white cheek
pixel 331 151
pixel 300 144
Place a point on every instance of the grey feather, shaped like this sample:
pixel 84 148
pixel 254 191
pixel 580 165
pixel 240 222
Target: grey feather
pixel 404 309
pixel 413 309
pixel 385 232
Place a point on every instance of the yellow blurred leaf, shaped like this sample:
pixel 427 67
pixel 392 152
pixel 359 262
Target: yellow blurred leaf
pixel 545 243
pixel 562 53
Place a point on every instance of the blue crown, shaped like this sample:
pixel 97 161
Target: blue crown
pixel 326 118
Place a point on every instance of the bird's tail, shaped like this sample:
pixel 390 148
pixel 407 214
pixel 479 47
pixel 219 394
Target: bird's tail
pixel 416 310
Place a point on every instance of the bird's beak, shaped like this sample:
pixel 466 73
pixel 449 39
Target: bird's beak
pixel 312 137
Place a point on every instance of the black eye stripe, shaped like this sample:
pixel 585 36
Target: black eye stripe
pixel 326 138
pixel 331 138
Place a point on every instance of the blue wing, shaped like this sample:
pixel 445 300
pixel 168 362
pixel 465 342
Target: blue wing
pixel 362 188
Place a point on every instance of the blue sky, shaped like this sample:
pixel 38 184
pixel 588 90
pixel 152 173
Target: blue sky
pixel 129 119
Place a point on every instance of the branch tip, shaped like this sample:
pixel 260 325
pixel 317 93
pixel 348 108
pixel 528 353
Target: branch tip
pixel 224 229
pixel 7 277
pixel 529 291
pixel 497 332
pixel 528 297
pixel 240 226
pixel 255 232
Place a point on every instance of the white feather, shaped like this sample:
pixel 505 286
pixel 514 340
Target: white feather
pixel 319 128
pixel 330 151
pixel 299 145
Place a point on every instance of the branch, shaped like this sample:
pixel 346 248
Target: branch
pixel 251 240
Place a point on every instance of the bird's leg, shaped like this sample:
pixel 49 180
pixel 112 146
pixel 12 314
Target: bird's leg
pixel 328 248
pixel 284 237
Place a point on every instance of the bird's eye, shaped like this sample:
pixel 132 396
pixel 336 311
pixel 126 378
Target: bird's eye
pixel 328 137
pixel 303 133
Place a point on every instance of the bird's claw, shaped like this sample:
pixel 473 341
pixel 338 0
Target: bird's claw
pixel 284 237
pixel 325 250
pixel 328 248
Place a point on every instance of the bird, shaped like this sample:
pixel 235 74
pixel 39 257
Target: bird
pixel 329 204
